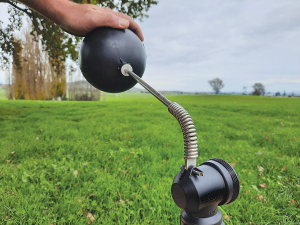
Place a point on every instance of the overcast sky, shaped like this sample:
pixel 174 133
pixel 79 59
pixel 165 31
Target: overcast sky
pixel 191 42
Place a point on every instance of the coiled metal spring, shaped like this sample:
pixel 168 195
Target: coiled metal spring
pixel 188 129
pixel 184 118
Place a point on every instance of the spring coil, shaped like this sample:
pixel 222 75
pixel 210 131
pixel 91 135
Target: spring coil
pixel 188 129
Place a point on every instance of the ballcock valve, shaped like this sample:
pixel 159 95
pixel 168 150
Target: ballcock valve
pixel 107 59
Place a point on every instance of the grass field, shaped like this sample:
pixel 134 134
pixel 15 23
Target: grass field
pixel 61 162
pixel 2 94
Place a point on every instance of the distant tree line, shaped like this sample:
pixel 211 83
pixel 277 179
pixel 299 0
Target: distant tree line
pixel 259 89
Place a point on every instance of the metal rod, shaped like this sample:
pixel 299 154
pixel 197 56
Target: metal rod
pixel 184 119
pixel 158 95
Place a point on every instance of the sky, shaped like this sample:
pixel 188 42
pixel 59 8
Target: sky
pixel 241 42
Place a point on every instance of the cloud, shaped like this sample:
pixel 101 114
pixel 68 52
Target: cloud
pixel 241 42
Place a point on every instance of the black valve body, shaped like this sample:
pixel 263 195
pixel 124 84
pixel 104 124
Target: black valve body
pixel 198 196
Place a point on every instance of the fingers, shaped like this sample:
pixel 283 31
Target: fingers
pixel 106 18
pixel 80 19
pixel 119 20
pixel 132 25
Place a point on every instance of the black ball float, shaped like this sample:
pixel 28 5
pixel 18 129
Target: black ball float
pixel 103 53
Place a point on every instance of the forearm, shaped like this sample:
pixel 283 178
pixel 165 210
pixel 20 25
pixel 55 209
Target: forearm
pixel 52 9
pixel 79 19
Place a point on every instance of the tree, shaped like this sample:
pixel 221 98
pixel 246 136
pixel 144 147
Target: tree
pixel 217 84
pixel 58 44
pixel 245 90
pixel 277 93
pixel 259 89
pixel 33 79
pixel 61 45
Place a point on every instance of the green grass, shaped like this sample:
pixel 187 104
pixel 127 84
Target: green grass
pixel 117 159
pixel 2 94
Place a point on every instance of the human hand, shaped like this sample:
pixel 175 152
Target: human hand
pixel 80 19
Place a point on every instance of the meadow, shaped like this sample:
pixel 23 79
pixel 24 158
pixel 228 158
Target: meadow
pixel 2 94
pixel 114 162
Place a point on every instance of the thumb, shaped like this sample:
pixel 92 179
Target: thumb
pixel 114 21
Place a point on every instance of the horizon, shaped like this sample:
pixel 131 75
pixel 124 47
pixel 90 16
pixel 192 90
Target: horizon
pixel 143 90
pixel 241 43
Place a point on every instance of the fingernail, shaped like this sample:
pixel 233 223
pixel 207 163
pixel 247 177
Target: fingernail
pixel 123 22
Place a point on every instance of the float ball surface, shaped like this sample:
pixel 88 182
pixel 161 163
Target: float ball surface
pixel 102 54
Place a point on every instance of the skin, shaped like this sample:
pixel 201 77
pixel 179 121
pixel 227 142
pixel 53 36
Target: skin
pixel 80 19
